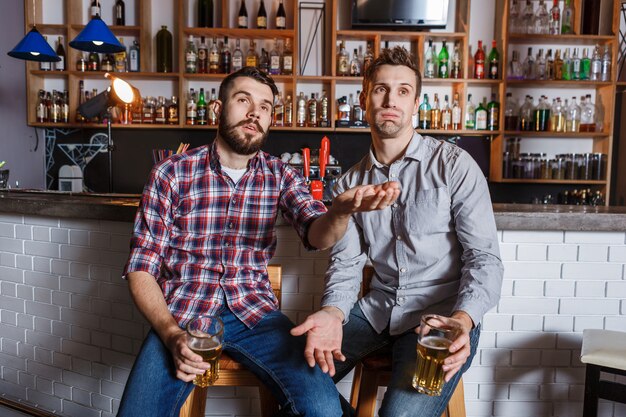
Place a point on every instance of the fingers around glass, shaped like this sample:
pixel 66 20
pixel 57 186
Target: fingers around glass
pixel 205 338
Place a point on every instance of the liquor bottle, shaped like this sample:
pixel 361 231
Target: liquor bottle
pixel 211 115
pixel 252 58
pixel 455 71
pixel 120 13
pixel 435 114
pixel 425 114
pixel 558 65
pixel 201 117
pixel 203 56
pixel 278 118
pixel 41 109
pixel 65 107
pixel 149 110
pixel 541 65
pixel 160 113
pixel 281 16
pixel 242 18
pixel 557 116
pixel 542 115
pixel 343 66
pixel 446 114
pixel 205 13
pixel 133 57
pixel 430 61
pixel 136 113
pixel 514 17
pixel 576 66
pixel 567 66
pixel 264 61
pixel 191 56
pixel 511 113
pixel 94 9
pixel 368 58
pixel 493 113
pixel 528 18
pixel 45 65
pixel 587 114
pixel 480 117
pixel 516 70
pixel 355 65
pixel 585 66
pixel 494 62
pixel 456 113
pixel 172 112
pixel 542 19
pixel 479 62
pixel 275 59
pixel 81 100
pixel 261 17
pixel 470 110
pixel 526 114
pixel 549 66
pixel 60 65
pixel 94 62
pixel 555 18
pixel 121 59
pixel 443 61
pixel 55 110
pixel 572 117
pixel 214 58
pixel 301 111
pixel 192 109
pixel 357 112
pixel 287 59
pixel 567 19
pixel 311 105
pixel 237 57
pixel 596 65
pixel 529 66
pixel 164 50
pixel 107 63
pixel 605 74
pixel 81 62
pixel 225 57
pixel 288 111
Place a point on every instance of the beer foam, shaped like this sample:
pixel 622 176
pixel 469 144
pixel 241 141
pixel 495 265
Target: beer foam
pixel 435 342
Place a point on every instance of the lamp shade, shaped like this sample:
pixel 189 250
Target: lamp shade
pixel 97 37
pixel 34 48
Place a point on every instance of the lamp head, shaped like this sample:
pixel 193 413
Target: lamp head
pixel 122 92
pixel 97 37
pixel 33 47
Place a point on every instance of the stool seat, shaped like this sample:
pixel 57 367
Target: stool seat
pixel 377 362
pixel 604 348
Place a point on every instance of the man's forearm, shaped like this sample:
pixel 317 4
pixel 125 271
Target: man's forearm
pixel 326 230
pixel 149 300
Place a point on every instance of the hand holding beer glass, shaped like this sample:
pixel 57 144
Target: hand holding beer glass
pixel 435 335
pixel 205 337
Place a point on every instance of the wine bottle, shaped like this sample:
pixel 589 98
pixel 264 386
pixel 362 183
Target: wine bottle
pixel 242 19
pixel 133 57
pixel 120 13
pixel 164 50
pixel 94 9
pixel 205 13
pixel 60 65
pixel 261 17
pixel 281 16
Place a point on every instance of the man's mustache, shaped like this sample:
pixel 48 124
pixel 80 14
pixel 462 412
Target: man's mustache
pixel 251 121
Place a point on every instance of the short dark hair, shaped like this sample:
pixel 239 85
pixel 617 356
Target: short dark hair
pixel 397 55
pixel 251 72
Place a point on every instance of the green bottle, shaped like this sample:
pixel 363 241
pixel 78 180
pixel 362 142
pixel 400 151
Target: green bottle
pixel 494 62
pixel 201 110
pixel 493 113
pixel 164 50
pixel 480 121
pixel 425 113
pixel 585 66
pixel 443 61
pixel 567 66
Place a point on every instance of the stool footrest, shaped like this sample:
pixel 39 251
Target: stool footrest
pixel 613 391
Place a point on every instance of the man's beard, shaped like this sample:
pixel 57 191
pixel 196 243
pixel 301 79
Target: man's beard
pixel 242 145
pixel 387 128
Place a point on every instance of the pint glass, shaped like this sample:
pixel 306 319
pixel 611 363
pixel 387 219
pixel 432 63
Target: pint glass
pixel 206 334
pixel 436 334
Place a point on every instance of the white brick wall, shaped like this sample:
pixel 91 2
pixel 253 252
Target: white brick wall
pixel 69 331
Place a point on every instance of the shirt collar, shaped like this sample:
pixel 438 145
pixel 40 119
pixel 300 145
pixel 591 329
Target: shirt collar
pixel 414 151
pixel 214 158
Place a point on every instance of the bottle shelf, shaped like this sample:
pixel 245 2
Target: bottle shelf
pixel 460 132
pixel 52 74
pixel 117 30
pixel 236 33
pixel 446 81
pixel 538 181
pixel 362 35
pixel 573 135
pixel 126 75
pixel 574 84
pixel 50 29
pixel 524 38
pixel 220 77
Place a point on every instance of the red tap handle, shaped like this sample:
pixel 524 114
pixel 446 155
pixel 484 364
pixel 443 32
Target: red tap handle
pixel 324 155
pixel 306 160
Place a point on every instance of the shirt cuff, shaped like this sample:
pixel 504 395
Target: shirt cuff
pixel 343 304
pixel 142 260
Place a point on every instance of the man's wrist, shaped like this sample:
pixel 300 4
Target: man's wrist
pixel 335 312
pixel 464 318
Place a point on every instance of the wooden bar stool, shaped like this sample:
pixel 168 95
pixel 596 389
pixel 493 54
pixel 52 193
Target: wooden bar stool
pixel 233 374
pixel 603 351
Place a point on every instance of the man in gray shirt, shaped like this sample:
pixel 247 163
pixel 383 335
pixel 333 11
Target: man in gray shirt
pixel 434 251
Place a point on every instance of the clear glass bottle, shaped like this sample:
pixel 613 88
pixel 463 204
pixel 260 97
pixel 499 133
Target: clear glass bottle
pixel 435 114
pixel 557 116
pixel 587 115
pixel 355 64
pixel 555 18
pixel 191 56
pixel 516 71
pixel 514 16
pixel 596 65
pixel 323 116
pixel 511 113
pixel 528 18
pixel 192 109
pixel 430 61
pixel 425 113
pixel 456 113
pixel 455 70
pixel 541 117
pixel 529 66
pixel 572 117
pixel 526 114
pixel 252 58
pixel 214 58
pixel 369 57
pixel 343 60
pixel 275 59
pixel 446 114
pixel 237 56
pixel 541 65
pixel 605 74
pixel 301 111
pixel 558 65
pixel 470 116
pixel 542 19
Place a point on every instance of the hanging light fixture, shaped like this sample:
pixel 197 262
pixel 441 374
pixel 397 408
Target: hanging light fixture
pixel 97 37
pixel 34 47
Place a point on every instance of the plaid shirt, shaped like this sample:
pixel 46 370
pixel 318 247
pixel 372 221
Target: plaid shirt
pixel 208 240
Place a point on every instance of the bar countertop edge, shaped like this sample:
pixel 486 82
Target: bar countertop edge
pixel 122 207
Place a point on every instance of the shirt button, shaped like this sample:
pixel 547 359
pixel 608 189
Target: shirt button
pixel 393 175
pixel 395 205
pixel 401 300
pixel 227 244
pixel 230 225
pixel 403 270
pixel 399 237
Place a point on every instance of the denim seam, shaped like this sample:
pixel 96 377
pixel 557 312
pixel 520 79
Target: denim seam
pixel 179 397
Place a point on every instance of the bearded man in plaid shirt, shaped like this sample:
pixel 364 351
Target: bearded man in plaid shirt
pixel 203 235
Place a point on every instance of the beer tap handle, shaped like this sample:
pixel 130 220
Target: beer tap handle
pixel 324 154
pixel 306 160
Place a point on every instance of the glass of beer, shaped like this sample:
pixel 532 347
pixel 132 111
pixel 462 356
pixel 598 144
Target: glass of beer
pixel 435 335
pixel 206 334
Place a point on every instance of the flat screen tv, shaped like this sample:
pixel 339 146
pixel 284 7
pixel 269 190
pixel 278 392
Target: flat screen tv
pixel 399 14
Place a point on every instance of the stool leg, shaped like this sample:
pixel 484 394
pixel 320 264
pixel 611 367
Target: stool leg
pixel 592 382
pixel 269 405
pixel 367 393
pixel 356 385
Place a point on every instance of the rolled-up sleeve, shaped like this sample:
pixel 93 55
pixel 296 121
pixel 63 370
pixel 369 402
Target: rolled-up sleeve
pixel 153 222
pixel 482 271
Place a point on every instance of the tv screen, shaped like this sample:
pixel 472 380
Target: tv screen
pixel 399 14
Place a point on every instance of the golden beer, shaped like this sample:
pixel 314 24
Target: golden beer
pixel 210 352
pixel 429 374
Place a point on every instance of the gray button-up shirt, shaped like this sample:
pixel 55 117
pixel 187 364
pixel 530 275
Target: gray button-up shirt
pixel 434 251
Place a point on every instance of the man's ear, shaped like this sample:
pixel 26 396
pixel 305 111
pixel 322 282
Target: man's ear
pixel 362 100
pixel 217 108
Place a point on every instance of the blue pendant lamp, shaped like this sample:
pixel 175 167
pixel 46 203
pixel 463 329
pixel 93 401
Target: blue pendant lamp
pixel 34 48
pixel 97 37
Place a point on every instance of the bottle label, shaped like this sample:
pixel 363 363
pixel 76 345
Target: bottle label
pixel 60 65
pixel 493 70
pixel 446 118
pixel 480 69
pixel 237 63
pixel 118 12
pixel 214 58
pixel 481 120
pixel 275 64
pixel 202 54
pixel 287 63
pixel 242 21
pixel 456 115
pixel 191 57
pixel 95 10
pixel 281 22
pixel 134 60
pixel 261 21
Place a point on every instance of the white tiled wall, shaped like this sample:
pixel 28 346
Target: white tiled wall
pixel 69 331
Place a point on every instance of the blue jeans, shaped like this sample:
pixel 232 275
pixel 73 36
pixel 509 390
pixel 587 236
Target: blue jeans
pixel 268 350
pixel 401 399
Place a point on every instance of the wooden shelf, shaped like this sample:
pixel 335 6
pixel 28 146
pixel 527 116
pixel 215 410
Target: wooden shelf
pixel 126 75
pixel 54 74
pixel 117 30
pixel 573 135
pixel 538 181
pixel 559 39
pixel 574 84
pixel 351 34
pixel 48 29
pixel 446 81
pixel 236 33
